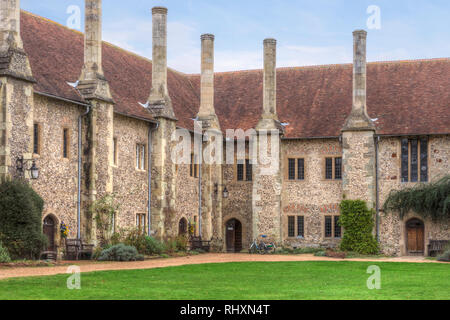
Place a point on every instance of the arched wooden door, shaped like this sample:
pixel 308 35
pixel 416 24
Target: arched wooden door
pixel 49 229
pixel 182 227
pixel 415 241
pixel 234 235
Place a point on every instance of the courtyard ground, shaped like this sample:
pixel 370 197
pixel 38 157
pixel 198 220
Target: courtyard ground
pixel 89 266
pixel 297 280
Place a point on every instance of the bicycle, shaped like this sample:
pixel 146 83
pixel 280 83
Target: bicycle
pixel 262 247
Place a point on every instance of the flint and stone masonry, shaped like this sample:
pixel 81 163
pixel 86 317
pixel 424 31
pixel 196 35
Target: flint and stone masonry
pixel 37 103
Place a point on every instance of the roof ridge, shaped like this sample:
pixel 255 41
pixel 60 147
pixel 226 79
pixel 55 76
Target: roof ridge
pixel 329 66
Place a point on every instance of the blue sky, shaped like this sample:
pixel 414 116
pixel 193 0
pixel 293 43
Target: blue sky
pixel 308 32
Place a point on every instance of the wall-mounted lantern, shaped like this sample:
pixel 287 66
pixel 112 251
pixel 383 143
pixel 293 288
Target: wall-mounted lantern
pixel 23 165
pixel 225 193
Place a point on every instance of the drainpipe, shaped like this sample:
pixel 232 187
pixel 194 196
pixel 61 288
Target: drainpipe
pixel 377 187
pixel 149 203
pixel 80 123
pixel 200 147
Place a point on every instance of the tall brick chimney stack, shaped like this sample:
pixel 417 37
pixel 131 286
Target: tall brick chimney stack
pixel 92 68
pixel 10 25
pixel 269 118
pixel 93 84
pixel 358 117
pixel 159 99
pixel 358 143
pixel 207 113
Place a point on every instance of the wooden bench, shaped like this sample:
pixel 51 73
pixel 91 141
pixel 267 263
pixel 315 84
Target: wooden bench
pixel 50 254
pixel 76 249
pixel 437 247
pixel 198 243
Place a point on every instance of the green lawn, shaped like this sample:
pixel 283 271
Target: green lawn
pixel 253 281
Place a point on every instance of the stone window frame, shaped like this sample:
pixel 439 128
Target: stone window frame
pixel 286 168
pixel 39 138
pixel 194 167
pixel 333 226
pixel 65 143
pixel 140 156
pixel 115 152
pixel 296 224
pixel 246 164
pixel 139 218
pixel 324 167
pixel 419 164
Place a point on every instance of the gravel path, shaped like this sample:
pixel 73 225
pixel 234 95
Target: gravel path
pixel 171 262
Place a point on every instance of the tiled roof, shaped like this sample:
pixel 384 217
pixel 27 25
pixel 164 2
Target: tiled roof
pixel 407 97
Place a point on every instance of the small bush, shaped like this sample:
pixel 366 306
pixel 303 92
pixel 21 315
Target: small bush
pixel 136 238
pixel 171 245
pixel 182 243
pixel 445 257
pixel 21 220
pixel 4 255
pixel 358 223
pixel 120 252
pixel 153 246
pixel 321 253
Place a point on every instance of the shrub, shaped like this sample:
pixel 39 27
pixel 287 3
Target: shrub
pixel 171 245
pixel 153 246
pixel 321 253
pixel 120 252
pixel 137 239
pixel 182 243
pixel 358 222
pixel 445 257
pixel 21 220
pixel 4 255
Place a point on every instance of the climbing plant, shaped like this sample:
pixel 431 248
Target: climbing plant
pixel 104 211
pixel 427 200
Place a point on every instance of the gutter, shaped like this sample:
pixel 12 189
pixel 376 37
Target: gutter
pixel 62 99
pixel 149 169
pixel 80 119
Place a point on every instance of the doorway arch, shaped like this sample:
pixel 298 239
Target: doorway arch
pixel 415 237
pixel 182 227
pixel 49 230
pixel 233 231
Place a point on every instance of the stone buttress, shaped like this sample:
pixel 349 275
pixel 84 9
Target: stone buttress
pixel 16 93
pixel 98 147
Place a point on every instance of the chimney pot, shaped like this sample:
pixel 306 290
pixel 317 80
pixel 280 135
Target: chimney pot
pixel 159 10
pixel 270 41
pixel 207 36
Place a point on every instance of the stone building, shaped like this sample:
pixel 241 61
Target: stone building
pixel 97 120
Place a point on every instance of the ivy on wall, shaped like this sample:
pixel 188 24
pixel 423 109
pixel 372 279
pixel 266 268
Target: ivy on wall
pixel 358 222
pixel 427 200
